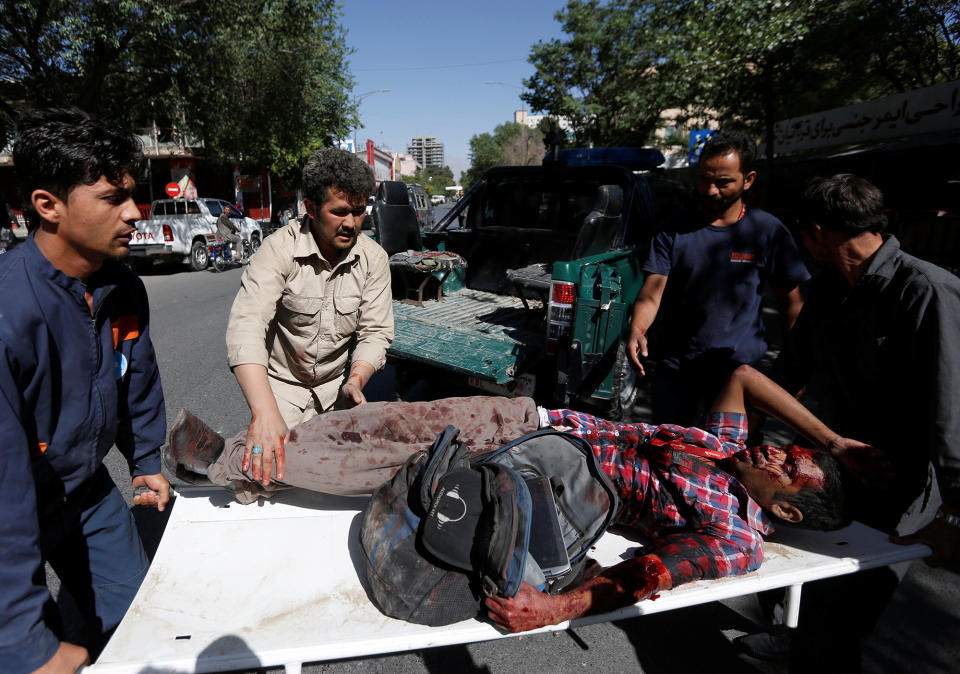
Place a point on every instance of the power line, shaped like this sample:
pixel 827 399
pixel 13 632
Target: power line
pixel 457 65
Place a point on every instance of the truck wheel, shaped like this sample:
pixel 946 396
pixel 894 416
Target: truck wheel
pixel 199 257
pixel 624 385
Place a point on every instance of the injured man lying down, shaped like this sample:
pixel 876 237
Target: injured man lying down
pixel 700 497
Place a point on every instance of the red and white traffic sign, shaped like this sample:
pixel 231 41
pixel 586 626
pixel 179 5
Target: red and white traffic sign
pixel 173 190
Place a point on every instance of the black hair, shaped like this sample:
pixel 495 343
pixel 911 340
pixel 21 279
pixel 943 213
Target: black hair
pixel 56 149
pixel 343 170
pixel 726 142
pixel 824 509
pixel 843 203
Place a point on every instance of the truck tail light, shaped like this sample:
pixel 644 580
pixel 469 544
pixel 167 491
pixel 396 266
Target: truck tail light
pixel 167 233
pixel 563 297
pixel 563 292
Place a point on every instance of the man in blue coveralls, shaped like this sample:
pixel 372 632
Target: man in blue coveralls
pixel 77 374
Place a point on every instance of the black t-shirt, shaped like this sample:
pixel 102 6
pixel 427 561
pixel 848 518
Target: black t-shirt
pixel 716 279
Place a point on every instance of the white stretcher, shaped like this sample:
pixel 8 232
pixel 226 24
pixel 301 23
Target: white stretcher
pixel 279 583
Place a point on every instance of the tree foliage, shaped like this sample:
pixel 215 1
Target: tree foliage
pixel 260 81
pixel 434 179
pixel 510 144
pixel 602 80
pixel 744 62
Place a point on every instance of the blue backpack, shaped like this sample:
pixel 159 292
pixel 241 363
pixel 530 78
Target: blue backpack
pixel 406 580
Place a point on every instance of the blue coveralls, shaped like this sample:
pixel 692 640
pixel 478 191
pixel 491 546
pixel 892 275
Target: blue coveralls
pixel 71 386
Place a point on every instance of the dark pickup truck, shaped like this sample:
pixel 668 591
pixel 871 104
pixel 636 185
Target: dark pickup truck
pixel 525 287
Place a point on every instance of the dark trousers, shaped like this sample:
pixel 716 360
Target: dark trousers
pixel 681 395
pixel 93 546
pixel 836 614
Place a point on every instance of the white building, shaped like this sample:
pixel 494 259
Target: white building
pixel 427 150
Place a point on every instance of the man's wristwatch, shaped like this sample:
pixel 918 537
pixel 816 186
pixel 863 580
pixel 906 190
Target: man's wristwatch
pixel 953 520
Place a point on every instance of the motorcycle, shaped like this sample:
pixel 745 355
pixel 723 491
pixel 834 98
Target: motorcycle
pixel 222 255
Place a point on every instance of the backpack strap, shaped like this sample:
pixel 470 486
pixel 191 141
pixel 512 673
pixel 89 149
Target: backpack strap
pixel 445 454
pixel 503 554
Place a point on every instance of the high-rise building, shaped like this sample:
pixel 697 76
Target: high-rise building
pixel 427 150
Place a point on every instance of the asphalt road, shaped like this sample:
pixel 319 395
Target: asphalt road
pixel 919 632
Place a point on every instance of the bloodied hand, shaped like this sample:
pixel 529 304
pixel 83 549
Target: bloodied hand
pixel 529 609
pixel 626 583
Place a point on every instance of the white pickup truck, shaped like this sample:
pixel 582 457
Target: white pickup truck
pixel 179 231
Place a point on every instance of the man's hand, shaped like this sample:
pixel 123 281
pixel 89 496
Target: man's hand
pixel 67 660
pixel 643 314
pixel 157 493
pixel 266 436
pixel 636 349
pixel 865 462
pixel 351 395
pixel 529 609
pixel 626 583
pixel 943 539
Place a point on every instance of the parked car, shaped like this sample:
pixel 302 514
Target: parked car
pixel 420 201
pixel 541 305
pixel 438 199
pixel 177 231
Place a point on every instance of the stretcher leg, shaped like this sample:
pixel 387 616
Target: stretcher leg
pixel 792 608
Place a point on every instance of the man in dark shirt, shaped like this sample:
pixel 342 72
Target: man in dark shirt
pixel 77 373
pixel 877 347
pixel 227 230
pixel 706 272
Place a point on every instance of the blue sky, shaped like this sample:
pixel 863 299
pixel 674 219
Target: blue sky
pixel 435 57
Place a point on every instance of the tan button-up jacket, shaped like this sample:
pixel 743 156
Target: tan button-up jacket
pixel 304 320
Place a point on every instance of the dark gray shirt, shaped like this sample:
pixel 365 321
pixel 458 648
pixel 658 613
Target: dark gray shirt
pixel 225 228
pixel 882 360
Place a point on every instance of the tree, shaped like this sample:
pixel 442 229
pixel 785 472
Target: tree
pixel 603 80
pixel 510 144
pixel 287 84
pixel 434 179
pixel 746 62
pixel 263 82
pixel 924 50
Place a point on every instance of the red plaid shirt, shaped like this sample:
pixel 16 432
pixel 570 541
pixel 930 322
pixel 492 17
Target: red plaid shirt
pixel 697 518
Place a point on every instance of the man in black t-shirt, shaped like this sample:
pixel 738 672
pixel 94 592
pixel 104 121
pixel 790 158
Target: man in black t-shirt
pixel 706 271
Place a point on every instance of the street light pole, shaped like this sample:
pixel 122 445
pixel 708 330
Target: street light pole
pixel 356 101
pixel 523 116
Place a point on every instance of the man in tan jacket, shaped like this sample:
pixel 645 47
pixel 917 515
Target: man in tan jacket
pixel 313 318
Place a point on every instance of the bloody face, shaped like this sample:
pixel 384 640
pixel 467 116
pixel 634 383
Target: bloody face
pixel 765 471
